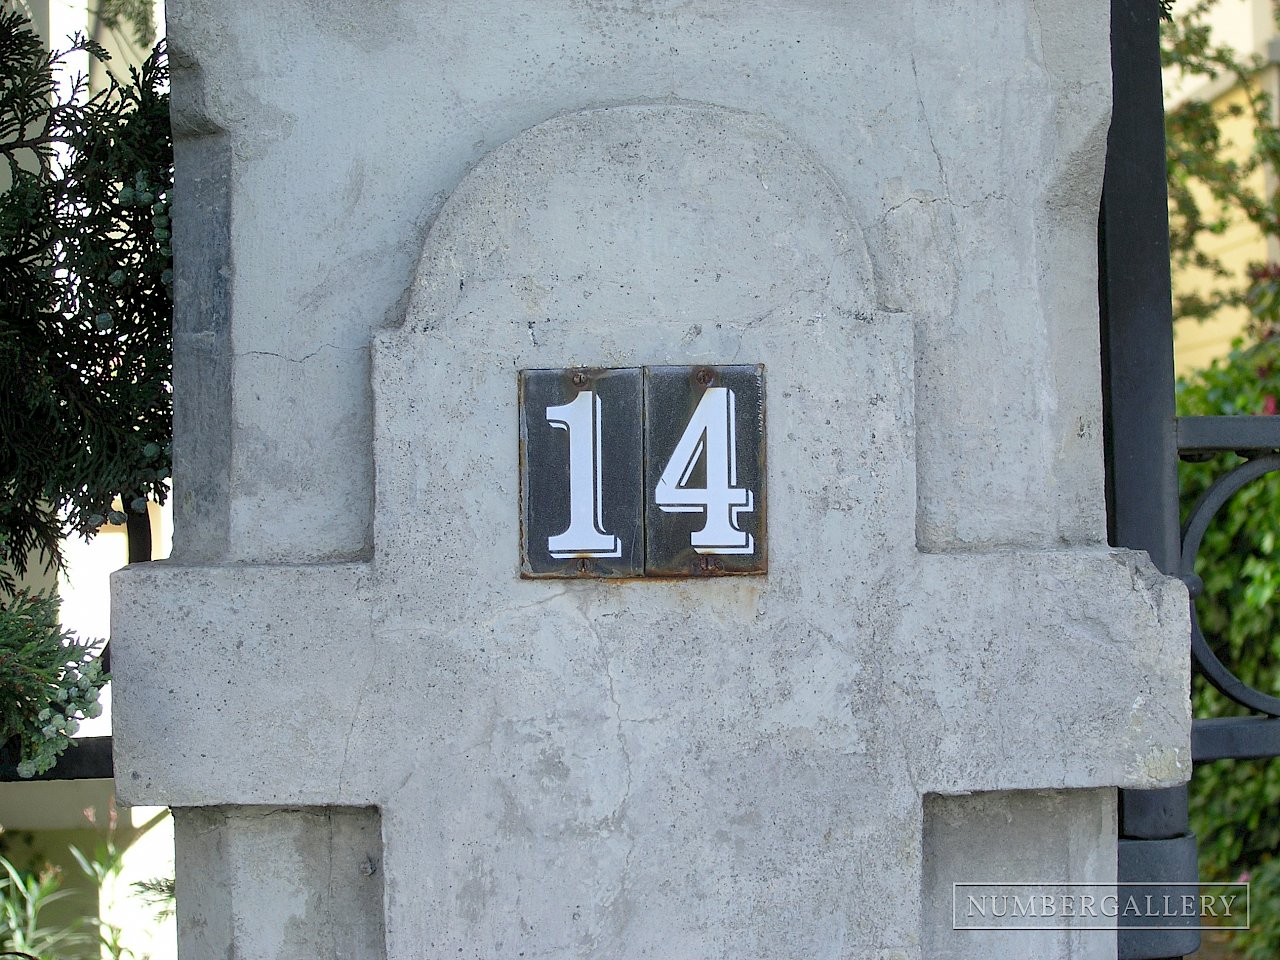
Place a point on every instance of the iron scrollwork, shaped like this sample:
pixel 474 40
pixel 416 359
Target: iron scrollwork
pixel 1214 670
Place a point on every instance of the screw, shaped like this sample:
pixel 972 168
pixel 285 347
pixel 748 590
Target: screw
pixel 582 566
pixel 579 378
pixel 705 377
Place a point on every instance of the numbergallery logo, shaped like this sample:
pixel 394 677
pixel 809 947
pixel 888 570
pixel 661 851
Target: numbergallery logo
pixel 1099 906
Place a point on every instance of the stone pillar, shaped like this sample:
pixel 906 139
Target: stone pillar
pixel 392 209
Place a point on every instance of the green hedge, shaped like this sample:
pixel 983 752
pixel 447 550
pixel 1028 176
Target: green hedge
pixel 1235 804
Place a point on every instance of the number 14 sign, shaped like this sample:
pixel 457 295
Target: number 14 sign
pixel 654 471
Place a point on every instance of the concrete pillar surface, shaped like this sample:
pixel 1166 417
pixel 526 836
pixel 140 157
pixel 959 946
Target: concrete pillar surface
pixel 893 208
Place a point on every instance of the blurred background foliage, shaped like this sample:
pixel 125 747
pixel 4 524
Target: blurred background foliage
pixel 1216 182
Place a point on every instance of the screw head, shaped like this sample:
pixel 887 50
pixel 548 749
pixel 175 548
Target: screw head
pixel 705 376
pixel 579 378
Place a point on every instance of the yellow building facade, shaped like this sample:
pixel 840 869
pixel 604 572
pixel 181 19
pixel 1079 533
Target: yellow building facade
pixel 1249 27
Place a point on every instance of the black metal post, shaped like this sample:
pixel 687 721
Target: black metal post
pixel 138 528
pixel 1138 400
pixel 1135 303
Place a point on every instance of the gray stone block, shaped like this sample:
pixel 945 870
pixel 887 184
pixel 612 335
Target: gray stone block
pixel 732 767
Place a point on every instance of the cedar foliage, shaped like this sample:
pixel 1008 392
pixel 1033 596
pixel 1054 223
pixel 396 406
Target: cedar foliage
pixel 85 296
pixel 85 350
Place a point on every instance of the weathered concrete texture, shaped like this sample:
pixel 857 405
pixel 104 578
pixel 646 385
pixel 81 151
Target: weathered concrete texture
pixel 1026 837
pixel 263 665
pixel 892 206
pixel 688 769
pixel 294 686
pixel 1104 679
pixel 279 884
pixel 967 138
pixel 202 368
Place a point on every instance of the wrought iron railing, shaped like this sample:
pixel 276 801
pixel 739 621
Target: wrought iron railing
pixel 1256 440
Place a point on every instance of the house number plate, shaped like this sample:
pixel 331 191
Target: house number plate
pixel 642 471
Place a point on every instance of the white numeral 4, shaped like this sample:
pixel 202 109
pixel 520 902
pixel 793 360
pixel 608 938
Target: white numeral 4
pixel 710 434
pixel 585 536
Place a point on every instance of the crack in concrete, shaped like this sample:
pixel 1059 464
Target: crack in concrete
pixel 626 793
pixel 507 614
pixel 618 815
pixel 928 129
pixel 320 349
pixel 355 714
pixel 622 738
pixel 949 201
pixel 1035 40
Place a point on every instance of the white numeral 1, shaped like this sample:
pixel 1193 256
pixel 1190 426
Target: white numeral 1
pixel 584 537
pixel 711 433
